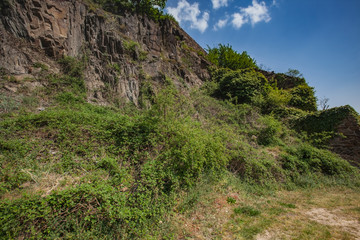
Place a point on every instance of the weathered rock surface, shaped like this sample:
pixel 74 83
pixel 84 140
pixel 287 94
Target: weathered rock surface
pixel 348 147
pixel 122 51
pixel 344 122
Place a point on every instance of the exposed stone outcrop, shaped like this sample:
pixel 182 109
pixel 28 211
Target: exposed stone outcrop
pixel 348 147
pixel 121 50
pixel 282 80
pixel 344 122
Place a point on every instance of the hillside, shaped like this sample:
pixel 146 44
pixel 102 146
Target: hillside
pixel 116 124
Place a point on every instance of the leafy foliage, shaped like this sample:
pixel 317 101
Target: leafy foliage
pixel 303 97
pixel 225 57
pixel 306 159
pixel 80 171
pixel 132 166
pixel 270 133
pixel 275 99
pixel 149 157
pixel 294 73
pixel 324 121
pixel 241 85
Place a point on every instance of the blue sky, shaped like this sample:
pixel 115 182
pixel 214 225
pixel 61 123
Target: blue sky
pixel 320 38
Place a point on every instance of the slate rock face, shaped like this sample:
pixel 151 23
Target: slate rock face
pixel 121 50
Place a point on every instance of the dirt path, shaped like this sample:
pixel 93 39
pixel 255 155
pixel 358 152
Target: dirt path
pixel 334 218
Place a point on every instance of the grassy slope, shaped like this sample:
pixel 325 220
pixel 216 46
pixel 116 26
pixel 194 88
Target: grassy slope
pixel 75 170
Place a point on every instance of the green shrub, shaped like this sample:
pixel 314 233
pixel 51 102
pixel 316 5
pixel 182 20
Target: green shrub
pixel 303 97
pixel 320 127
pixel 242 85
pixel 69 98
pixel 8 104
pixel 225 57
pixel 294 73
pixel 275 98
pixel 255 166
pixel 72 67
pixel 288 114
pixel 324 121
pixel 100 209
pixel 270 132
pixel 30 102
pixel 306 159
pixel 322 139
pixel 59 83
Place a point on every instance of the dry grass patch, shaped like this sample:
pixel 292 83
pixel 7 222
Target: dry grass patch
pixel 319 214
pixel 227 212
pixel 43 183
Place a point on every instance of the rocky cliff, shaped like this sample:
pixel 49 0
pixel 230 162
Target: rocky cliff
pixel 121 51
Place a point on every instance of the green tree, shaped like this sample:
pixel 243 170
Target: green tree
pixel 303 97
pixel 242 85
pixel 294 73
pixel 225 57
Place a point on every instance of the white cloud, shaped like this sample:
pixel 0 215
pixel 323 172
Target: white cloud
pixel 221 23
pixel 238 20
pixel 186 12
pixel 257 12
pixel 219 3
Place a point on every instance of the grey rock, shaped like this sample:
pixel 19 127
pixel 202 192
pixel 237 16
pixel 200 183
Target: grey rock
pixel 142 49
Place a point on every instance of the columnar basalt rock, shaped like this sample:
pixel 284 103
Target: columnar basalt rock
pixel 43 31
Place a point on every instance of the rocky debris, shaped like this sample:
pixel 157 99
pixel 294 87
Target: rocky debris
pixel 121 50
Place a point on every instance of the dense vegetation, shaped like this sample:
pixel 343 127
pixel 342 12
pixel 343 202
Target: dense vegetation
pixel 320 127
pixel 224 56
pixel 81 171
pixel 237 78
pixel 75 170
